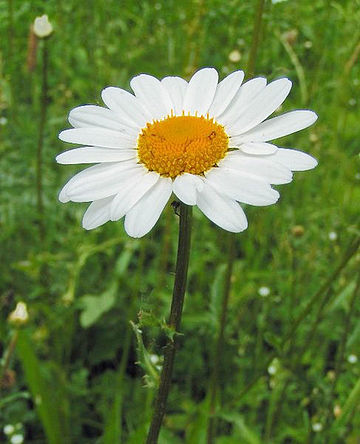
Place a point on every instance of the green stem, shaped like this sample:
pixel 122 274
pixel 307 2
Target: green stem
pixel 182 263
pixel 255 38
pixel 350 252
pixel 40 145
pixel 211 431
pixel 9 353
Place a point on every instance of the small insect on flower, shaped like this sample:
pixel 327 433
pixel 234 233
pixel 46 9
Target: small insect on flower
pixel 204 141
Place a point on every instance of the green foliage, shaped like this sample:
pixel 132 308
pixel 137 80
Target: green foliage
pixel 80 372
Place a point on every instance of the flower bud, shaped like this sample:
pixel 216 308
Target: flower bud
pixel 42 27
pixel 20 315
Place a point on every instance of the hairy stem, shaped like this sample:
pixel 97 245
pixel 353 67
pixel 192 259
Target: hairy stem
pixel 182 263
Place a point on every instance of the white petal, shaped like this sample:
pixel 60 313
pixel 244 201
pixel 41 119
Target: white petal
pixel 225 92
pixel 90 154
pixel 127 106
pixel 97 214
pixel 144 215
pixel 152 95
pixel 261 107
pixel 295 160
pixel 247 92
pixel 176 88
pixel 242 187
pixel 92 115
pixel 186 187
pixel 260 148
pixel 132 192
pixel 278 127
pixel 263 167
pixel 201 91
pixel 98 137
pixel 63 197
pixel 224 212
pixel 100 181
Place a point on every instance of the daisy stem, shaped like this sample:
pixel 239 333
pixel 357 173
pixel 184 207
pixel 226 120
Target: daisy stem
pixel 40 145
pixel 255 38
pixel 182 263
pixel 220 338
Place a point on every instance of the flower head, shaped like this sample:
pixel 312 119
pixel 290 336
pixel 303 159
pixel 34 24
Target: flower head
pixel 204 141
pixel 20 315
pixel 42 27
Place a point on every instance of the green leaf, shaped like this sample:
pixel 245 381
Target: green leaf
pixel 41 387
pixel 93 307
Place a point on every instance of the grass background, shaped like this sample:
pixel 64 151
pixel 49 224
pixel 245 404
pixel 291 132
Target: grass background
pixel 80 373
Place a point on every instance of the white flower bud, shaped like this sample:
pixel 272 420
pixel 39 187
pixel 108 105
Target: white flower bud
pixel 19 315
pixel 42 27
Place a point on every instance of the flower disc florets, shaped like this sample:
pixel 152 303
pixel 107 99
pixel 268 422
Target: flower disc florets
pixel 182 144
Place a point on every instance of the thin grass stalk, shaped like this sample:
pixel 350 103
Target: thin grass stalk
pixel 349 253
pixel 255 42
pixel 211 428
pixel 217 358
pixel 10 56
pixel 113 428
pixel 271 419
pixel 341 352
pixel 7 359
pixel 40 144
pixel 182 263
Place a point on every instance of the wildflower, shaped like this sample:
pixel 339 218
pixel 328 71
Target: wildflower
pixel 42 27
pixel 205 142
pixel 9 429
pixel 332 236
pixel 352 359
pixel 17 439
pixel 264 291
pixel 20 315
pixel 235 56
pixel 337 410
pixel 3 121
pixel 297 230
pixel 317 427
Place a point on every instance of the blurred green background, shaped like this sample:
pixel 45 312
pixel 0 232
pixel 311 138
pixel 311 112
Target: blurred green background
pixel 78 371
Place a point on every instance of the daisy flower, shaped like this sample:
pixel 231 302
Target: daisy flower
pixel 203 141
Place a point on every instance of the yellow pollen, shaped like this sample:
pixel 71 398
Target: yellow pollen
pixel 182 144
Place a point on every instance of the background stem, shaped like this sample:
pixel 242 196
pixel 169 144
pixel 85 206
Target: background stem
pixel 220 339
pixel 255 39
pixel 40 145
pixel 182 263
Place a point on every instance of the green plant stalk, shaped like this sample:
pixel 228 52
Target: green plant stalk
pixel 211 429
pixel 255 43
pixel 113 427
pixel 43 391
pixel 305 346
pixel 8 355
pixel 40 144
pixel 347 324
pixel 350 252
pixel 182 263
pixel 297 65
pixel 350 405
pixel 341 353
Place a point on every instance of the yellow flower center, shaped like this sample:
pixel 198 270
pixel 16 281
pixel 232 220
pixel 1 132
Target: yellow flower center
pixel 182 144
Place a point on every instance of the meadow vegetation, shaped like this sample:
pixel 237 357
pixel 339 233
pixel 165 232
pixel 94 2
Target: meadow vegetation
pixel 85 366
